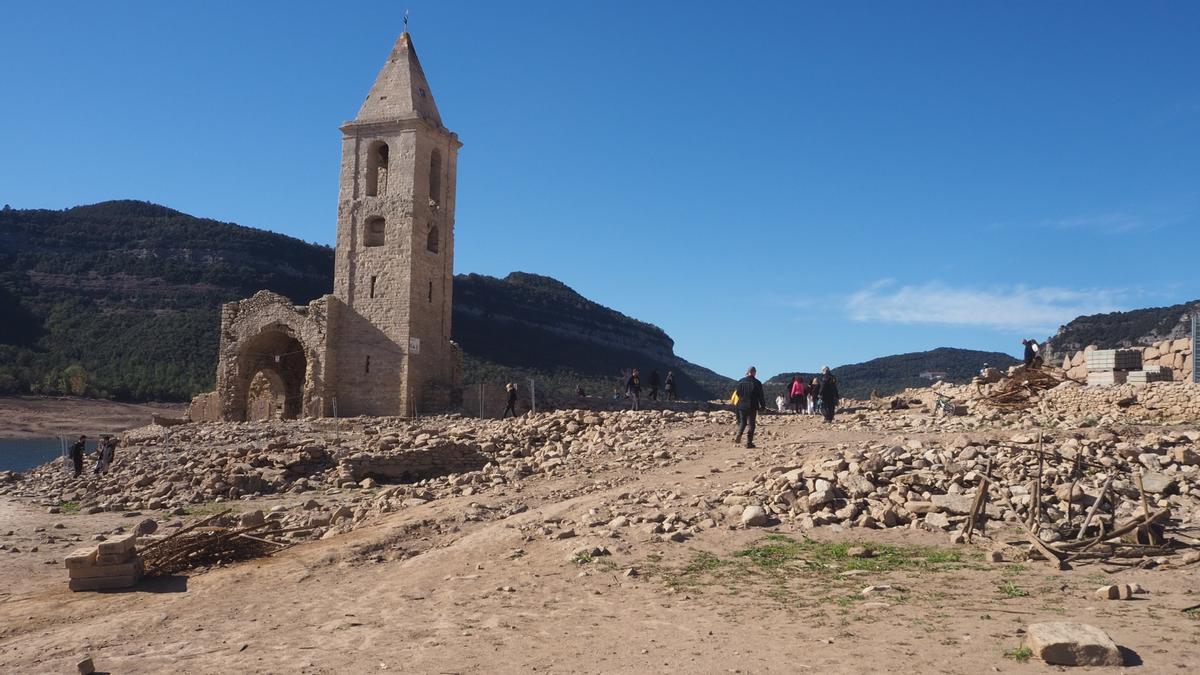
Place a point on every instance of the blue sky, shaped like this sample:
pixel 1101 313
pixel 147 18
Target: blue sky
pixel 789 184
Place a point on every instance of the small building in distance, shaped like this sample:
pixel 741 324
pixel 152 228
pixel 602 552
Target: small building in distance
pixel 380 343
pixel 932 375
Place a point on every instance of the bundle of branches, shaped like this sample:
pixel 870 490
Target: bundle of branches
pixel 205 545
pixel 1019 389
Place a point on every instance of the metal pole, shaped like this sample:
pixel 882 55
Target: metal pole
pixel 532 395
pixel 337 423
pixel 480 400
pixel 1196 348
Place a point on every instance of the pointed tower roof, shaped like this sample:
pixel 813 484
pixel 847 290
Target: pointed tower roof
pixel 400 91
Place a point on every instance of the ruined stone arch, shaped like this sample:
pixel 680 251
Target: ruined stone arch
pixel 281 345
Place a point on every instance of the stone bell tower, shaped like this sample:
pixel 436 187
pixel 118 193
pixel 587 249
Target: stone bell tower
pixel 390 348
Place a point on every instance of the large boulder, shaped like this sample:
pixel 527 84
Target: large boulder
pixel 1065 643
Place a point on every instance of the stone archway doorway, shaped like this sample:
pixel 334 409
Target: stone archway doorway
pixel 272 368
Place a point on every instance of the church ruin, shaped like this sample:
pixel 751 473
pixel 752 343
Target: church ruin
pixel 380 344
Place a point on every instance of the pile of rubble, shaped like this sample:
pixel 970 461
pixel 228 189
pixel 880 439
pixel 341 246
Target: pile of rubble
pixel 913 483
pixel 358 467
pixel 1172 356
pixel 1157 402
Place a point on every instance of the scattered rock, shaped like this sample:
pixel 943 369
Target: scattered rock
pixel 1115 592
pixel 754 516
pixel 1066 643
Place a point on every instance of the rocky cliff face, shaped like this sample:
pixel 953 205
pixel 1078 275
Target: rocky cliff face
pixel 522 302
pixel 529 325
pixel 1135 328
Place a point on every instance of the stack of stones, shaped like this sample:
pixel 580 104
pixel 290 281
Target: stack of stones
pixel 112 564
pixel 1111 366
pixel 1165 360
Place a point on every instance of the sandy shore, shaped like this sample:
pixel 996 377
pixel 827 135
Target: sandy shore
pixel 43 417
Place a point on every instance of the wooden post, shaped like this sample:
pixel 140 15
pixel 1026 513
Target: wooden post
pixel 978 506
pixel 1087 520
pixel 1151 538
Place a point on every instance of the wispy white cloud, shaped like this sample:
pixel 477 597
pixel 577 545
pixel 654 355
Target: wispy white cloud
pixel 1018 308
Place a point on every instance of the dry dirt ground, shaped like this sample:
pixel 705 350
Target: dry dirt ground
pixel 48 417
pixel 454 586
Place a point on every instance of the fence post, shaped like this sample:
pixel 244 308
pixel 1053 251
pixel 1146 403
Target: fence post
pixel 532 395
pixel 480 400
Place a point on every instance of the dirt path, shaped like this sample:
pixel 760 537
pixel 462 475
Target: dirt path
pixel 453 587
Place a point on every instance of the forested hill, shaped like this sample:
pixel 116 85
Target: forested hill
pixel 890 374
pixel 120 300
pixel 1138 327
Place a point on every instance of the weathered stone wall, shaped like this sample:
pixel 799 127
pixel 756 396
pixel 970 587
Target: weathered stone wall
pixel 266 333
pixel 1154 402
pixel 407 466
pixel 205 408
pixel 1175 355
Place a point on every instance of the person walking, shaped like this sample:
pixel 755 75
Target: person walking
pixel 750 400
pixel 653 381
pixel 1030 353
pixel 633 389
pixel 798 394
pixel 829 394
pixel 77 449
pixel 669 385
pixel 511 405
pixel 110 452
pixel 814 396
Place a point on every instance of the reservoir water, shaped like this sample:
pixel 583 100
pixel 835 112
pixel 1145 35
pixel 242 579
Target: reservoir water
pixel 20 454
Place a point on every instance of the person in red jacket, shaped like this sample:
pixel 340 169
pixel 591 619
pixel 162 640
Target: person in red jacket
pixel 798 394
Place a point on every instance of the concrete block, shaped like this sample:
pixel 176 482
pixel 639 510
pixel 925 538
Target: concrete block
pixel 104 583
pixel 101 571
pixel 122 544
pixel 81 557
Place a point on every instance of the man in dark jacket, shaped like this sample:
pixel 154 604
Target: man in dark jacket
pixel 829 394
pixel 633 389
pixel 1029 353
pixel 669 386
pixel 77 449
pixel 653 382
pixel 750 400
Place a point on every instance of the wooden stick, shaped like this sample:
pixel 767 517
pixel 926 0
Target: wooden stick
pixel 1051 554
pixel 980 498
pixel 153 545
pixel 1118 532
pixel 1150 535
pixel 1087 520
pixel 1071 491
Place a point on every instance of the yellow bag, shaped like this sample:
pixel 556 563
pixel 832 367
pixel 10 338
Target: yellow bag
pixel 734 399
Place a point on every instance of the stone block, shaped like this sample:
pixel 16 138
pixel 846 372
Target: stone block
pixel 81 557
pixel 114 559
pixel 98 571
pixel 104 583
pixel 1065 643
pixel 117 545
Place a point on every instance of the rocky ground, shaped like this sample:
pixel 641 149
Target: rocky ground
pixel 582 541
